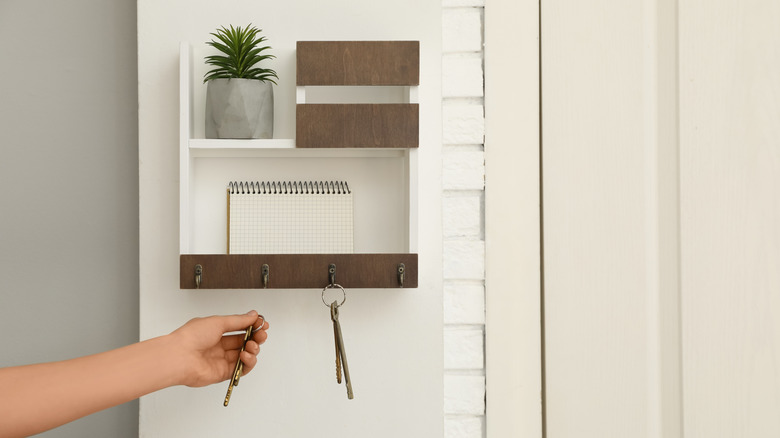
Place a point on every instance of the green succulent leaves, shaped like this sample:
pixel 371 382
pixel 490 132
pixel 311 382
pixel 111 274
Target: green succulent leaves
pixel 240 55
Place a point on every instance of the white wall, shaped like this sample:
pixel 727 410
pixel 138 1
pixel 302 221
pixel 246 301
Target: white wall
pixel 398 383
pixel 69 197
pixel 463 227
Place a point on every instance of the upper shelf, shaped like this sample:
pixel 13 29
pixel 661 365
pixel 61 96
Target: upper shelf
pixel 358 63
pixel 281 148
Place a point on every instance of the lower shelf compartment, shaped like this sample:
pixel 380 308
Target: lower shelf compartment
pixel 297 271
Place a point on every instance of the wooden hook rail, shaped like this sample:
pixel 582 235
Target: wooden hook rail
pixel 297 271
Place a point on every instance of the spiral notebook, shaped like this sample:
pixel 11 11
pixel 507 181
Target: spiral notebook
pixel 290 217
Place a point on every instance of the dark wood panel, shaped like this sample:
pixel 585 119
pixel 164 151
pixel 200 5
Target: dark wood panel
pixel 357 125
pixel 358 63
pixel 297 271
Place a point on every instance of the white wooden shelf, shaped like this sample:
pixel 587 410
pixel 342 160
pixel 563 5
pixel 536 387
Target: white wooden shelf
pixel 282 148
pixel 384 182
pixel 217 144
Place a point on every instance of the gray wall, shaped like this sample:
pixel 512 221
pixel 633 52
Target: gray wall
pixel 69 188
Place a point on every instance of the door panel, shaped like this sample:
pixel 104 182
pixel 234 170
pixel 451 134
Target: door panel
pixel 661 192
pixel 595 205
pixel 730 217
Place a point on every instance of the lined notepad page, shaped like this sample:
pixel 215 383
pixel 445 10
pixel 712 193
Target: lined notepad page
pixel 312 218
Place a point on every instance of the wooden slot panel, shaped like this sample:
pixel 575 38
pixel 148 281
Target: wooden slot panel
pixel 358 63
pixel 357 125
pixel 297 271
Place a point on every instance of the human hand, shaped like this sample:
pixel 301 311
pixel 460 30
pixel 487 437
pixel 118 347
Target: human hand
pixel 205 356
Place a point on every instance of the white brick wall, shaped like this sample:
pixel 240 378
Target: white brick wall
pixel 463 210
pixel 464 303
pixel 461 75
pixel 464 123
pixel 463 183
pixel 463 348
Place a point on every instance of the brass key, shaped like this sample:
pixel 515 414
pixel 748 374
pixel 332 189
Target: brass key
pixel 338 351
pixel 341 355
pixel 239 367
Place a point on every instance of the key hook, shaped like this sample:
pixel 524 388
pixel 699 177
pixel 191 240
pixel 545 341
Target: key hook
pixel 332 274
pixel 401 269
pixel 198 275
pixel 266 271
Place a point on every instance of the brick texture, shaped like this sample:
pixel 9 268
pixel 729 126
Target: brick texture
pixel 464 395
pixel 463 124
pixel 463 183
pixel 464 349
pixel 462 76
pixel 464 303
pixel 462 216
pixel 464 427
pixel 462 30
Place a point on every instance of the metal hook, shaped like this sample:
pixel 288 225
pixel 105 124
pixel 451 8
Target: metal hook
pixel 332 274
pixel 401 269
pixel 266 270
pixel 198 275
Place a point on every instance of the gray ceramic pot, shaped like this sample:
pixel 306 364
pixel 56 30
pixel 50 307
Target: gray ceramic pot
pixel 239 108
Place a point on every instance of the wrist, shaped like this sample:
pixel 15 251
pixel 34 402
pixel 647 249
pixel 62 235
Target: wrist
pixel 169 360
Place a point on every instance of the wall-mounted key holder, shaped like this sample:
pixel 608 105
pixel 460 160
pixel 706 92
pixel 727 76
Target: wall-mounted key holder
pixel 297 271
pixel 373 145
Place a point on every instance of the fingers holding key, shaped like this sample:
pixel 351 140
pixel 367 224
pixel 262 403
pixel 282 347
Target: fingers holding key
pixel 249 360
pixel 249 357
pixel 259 335
pixel 252 347
pixel 254 335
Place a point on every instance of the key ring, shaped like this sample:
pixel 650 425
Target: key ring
pixel 333 286
pixel 254 330
pixel 262 323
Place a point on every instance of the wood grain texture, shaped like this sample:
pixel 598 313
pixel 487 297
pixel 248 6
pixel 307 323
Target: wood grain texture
pixel 357 125
pixel 594 206
pixel 297 271
pixel 730 217
pixel 358 63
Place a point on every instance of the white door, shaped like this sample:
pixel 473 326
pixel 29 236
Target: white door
pixel 661 192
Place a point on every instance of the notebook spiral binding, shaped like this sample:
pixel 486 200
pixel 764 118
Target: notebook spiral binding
pixel 289 187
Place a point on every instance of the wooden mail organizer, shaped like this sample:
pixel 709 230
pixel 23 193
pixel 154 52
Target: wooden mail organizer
pixel 373 145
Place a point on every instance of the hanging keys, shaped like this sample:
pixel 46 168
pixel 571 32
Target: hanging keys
pixel 336 338
pixel 239 368
pixel 341 355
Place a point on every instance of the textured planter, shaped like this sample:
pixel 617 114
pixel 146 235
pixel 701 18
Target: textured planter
pixel 239 108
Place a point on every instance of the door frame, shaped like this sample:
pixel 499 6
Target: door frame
pixel 513 265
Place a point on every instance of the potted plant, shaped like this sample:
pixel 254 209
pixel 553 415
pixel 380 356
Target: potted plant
pixel 239 94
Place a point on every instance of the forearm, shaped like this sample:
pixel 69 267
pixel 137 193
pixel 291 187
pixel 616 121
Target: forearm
pixel 39 397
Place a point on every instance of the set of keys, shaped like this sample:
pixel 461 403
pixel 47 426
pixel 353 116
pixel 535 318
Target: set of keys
pixel 239 368
pixel 341 355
